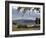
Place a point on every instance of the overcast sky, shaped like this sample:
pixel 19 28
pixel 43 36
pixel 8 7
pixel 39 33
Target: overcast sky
pixel 19 15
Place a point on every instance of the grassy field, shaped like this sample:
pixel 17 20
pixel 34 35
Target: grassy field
pixel 22 28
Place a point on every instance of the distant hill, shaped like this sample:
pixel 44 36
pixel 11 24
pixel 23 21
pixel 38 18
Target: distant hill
pixel 24 21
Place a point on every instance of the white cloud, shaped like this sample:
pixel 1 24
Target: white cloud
pixel 28 15
pixel 15 7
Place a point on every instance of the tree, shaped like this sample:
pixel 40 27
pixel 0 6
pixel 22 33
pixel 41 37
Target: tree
pixel 37 21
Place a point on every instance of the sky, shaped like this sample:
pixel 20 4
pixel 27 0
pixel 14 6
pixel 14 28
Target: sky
pixel 19 15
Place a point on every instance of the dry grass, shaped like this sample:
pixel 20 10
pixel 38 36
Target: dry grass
pixel 15 28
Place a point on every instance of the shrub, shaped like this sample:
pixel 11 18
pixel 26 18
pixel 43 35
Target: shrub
pixel 22 26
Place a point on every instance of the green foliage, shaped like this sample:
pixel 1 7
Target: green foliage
pixel 22 26
pixel 14 23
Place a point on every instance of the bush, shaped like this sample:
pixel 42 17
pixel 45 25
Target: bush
pixel 22 26
pixel 14 23
pixel 25 26
pixel 19 26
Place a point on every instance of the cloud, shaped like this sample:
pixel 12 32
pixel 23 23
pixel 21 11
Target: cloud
pixel 28 15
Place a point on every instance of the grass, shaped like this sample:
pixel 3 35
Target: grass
pixel 22 28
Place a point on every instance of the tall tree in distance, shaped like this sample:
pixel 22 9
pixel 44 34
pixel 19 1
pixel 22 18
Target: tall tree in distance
pixel 37 21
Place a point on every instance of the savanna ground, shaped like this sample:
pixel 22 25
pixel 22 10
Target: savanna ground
pixel 26 27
